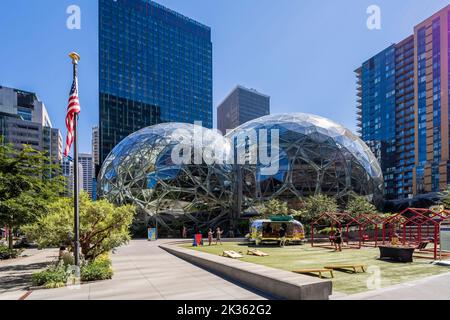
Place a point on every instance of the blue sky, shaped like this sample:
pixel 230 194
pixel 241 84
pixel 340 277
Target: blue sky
pixel 300 52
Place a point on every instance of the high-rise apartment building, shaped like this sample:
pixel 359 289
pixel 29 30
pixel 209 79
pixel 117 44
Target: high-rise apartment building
pixel 68 173
pixel 95 148
pixel 24 121
pixel 403 101
pixel 241 106
pixel 86 161
pixel 155 66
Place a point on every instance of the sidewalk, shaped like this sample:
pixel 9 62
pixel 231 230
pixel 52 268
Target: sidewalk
pixel 143 271
pixel 431 288
pixel 15 275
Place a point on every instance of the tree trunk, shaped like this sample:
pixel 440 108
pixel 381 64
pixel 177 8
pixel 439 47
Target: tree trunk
pixel 10 238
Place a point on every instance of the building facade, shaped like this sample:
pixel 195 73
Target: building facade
pixel 86 161
pixel 403 97
pixel 95 149
pixel 24 121
pixel 155 66
pixel 68 173
pixel 240 106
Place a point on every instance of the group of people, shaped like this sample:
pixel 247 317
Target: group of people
pixel 211 233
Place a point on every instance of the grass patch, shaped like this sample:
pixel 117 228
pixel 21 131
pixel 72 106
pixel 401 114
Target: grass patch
pixel 305 257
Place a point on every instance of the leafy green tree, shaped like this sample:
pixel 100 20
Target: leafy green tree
pixel 358 204
pixel 314 206
pixel 275 208
pixel 103 226
pixel 28 183
pixel 445 199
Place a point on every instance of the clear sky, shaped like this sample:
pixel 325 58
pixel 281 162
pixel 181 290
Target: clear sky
pixel 300 52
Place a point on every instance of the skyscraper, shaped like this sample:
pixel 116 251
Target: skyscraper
pixel 403 101
pixel 68 172
pixel 24 120
pixel 241 106
pixel 86 161
pixel 95 147
pixel 155 66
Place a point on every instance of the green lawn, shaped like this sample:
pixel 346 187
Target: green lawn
pixel 305 257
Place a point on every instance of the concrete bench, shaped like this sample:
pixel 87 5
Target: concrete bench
pixel 273 282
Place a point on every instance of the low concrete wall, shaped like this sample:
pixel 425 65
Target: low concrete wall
pixel 274 282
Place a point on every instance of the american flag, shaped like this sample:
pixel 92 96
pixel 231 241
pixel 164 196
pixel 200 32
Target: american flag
pixel 72 111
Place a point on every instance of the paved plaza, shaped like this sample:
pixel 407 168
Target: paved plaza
pixel 15 275
pixel 143 271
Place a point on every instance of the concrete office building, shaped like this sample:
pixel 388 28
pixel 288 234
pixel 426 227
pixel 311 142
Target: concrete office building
pixel 86 161
pixel 68 173
pixel 240 106
pixel 24 120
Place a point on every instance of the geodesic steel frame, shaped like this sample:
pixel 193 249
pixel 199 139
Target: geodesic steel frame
pixel 316 156
pixel 140 170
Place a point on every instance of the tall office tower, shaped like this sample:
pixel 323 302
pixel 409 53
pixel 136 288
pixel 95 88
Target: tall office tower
pixel 241 106
pixel 68 172
pixel 86 160
pixel 95 147
pixel 155 66
pixel 403 100
pixel 24 120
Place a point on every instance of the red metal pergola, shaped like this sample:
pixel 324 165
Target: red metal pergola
pixel 333 220
pixel 412 223
pixel 370 221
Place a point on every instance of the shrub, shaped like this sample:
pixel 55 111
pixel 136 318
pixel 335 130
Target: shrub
pixel 99 269
pixel 52 277
pixel 103 226
pixel 6 253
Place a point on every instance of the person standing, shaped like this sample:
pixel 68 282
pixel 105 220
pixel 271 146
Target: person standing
pixel 282 234
pixel 338 240
pixel 218 236
pixel 210 237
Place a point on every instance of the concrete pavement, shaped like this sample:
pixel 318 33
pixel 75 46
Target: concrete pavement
pixel 143 271
pixel 431 288
pixel 15 275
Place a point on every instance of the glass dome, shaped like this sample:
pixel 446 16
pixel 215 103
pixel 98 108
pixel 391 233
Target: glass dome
pixel 315 155
pixel 142 170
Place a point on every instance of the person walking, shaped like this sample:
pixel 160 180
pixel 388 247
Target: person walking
pixel 282 234
pixel 210 237
pixel 219 236
pixel 338 240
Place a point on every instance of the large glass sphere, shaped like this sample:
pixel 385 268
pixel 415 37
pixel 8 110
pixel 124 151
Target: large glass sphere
pixel 315 155
pixel 171 170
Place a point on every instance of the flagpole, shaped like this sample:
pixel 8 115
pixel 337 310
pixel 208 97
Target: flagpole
pixel 76 225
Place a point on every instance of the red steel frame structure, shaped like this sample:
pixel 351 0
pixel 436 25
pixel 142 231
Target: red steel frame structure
pixel 339 220
pixel 370 219
pixel 419 218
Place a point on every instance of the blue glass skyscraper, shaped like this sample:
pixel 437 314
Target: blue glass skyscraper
pixel 155 66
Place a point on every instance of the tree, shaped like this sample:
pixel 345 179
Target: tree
pixel 275 208
pixel 358 204
pixel 28 182
pixel 314 206
pixel 445 199
pixel 103 226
